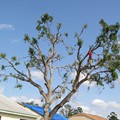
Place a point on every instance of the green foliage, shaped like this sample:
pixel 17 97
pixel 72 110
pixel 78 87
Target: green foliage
pixel 26 38
pixel 65 76
pixel 80 42
pixel 43 26
pixel 27 65
pixel 2 55
pixel 32 103
pixel 34 41
pixel 112 116
pixel 109 60
pixel 66 34
pixel 5 78
pixel 19 86
pixel 45 18
pixel 100 83
pixel 31 52
pixel 17 63
pixel 59 26
pixel 104 68
pixel 13 58
pixel 85 26
pixel 2 67
pixel 114 75
pixel 68 111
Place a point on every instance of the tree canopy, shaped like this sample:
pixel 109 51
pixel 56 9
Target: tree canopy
pixel 113 116
pixel 45 55
pixel 68 111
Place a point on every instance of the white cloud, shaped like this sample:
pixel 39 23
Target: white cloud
pixel 82 76
pixel 114 104
pixel 104 108
pixel 86 109
pixel 26 99
pixel 1 90
pixel 104 104
pixel 98 107
pixel 6 27
pixel 100 103
pixel 37 75
pixel 87 83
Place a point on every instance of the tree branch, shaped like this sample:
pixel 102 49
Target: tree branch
pixel 12 65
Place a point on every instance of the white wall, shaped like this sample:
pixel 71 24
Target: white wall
pixel 79 118
pixel 8 118
pixel 15 117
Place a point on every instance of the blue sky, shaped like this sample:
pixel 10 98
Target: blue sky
pixel 19 17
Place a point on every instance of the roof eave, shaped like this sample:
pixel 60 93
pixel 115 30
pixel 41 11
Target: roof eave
pixel 18 114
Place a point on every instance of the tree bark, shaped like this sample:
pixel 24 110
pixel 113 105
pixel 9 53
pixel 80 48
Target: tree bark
pixel 46 112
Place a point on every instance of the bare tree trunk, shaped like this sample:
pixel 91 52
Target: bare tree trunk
pixel 45 118
pixel 46 110
pixel 66 99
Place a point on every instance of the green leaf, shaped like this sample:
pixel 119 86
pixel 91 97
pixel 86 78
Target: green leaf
pixel 27 65
pixel 46 18
pixel 38 27
pixel 85 26
pixel 100 83
pixel 26 38
pixel 34 41
pixel 80 42
pixel 19 86
pixel 31 51
pixel 65 75
pixel 103 23
pixel 72 81
pixel 50 50
pixel 43 57
pixel 114 75
pixel 17 63
pixel 2 67
pixel 13 58
pixel 113 36
pixel 66 34
pixel 2 55
pixel 5 78
pixel 59 26
pixel 70 53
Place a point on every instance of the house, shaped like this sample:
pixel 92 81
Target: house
pixel 10 110
pixel 40 111
pixel 84 116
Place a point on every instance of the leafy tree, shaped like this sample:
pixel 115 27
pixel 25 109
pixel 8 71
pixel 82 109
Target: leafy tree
pixel 113 116
pixel 32 103
pixel 68 111
pixel 102 68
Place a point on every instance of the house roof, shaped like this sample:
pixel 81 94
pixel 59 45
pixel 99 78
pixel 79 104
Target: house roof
pixel 10 107
pixel 40 110
pixel 93 117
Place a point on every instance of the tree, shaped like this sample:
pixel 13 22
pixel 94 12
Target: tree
pixel 113 116
pixel 32 103
pixel 68 111
pixel 102 68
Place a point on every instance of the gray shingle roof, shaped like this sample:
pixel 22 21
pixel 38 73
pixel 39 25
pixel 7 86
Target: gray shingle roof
pixel 11 107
